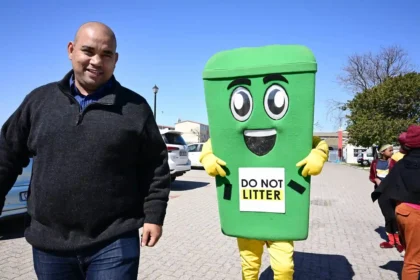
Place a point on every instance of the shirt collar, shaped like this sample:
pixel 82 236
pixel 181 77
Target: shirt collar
pixel 100 92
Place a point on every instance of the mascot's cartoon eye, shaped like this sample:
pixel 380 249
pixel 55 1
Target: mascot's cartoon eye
pixel 276 102
pixel 241 104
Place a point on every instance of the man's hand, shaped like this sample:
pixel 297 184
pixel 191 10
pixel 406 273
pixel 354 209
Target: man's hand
pixel 378 182
pixel 151 235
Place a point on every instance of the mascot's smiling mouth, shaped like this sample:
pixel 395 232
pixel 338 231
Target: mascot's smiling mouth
pixel 260 141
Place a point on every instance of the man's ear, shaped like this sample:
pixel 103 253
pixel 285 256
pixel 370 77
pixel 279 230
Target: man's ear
pixel 116 57
pixel 70 49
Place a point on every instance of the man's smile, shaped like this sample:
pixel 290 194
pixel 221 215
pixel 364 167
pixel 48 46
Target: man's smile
pixel 260 141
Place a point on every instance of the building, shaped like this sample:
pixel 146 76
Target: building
pixel 333 139
pixel 166 127
pixel 351 152
pixel 193 132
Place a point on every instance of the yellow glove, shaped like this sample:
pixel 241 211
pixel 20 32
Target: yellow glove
pixel 211 163
pixel 314 162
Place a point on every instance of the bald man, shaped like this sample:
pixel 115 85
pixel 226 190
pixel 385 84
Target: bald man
pixel 100 167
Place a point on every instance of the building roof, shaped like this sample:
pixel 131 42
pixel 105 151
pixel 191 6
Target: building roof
pixel 165 126
pixel 192 122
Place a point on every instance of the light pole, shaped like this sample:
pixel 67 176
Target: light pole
pixel 155 91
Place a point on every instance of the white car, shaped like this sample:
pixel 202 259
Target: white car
pixel 194 151
pixel 178 160
pixel 15 203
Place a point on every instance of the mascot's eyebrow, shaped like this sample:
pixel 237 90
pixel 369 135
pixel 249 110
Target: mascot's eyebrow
pixel 239 81
pixel 275 77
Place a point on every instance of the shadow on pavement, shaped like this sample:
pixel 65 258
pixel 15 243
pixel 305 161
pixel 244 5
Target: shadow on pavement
pixel 179 185
pixel 382 233
pixel 395 266
pixel 317 266
pixel 197 168
pixel 12 228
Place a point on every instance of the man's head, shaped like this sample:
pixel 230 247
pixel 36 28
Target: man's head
pixel 93 56
pixel 386 151
pixel 402 139
pixel 412 140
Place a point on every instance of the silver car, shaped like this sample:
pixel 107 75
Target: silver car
pixel 15 203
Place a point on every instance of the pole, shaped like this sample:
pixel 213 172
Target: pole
pixel 154 111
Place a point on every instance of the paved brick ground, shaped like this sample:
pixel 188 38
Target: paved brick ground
pixel 345 232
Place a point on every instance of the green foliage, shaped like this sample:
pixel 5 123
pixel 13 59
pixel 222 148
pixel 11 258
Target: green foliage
pixel 379 114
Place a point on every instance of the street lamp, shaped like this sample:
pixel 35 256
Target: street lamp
pixel 155 91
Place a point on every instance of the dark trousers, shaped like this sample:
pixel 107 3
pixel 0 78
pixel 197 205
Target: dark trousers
pixel 387 206
pixel 118 260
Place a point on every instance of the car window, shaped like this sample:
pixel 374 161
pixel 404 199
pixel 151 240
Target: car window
pixel 173 138
pixel 192 148
pixel 25 177
pixel 200 148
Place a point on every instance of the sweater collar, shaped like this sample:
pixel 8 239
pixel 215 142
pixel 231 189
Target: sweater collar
pixel 108 99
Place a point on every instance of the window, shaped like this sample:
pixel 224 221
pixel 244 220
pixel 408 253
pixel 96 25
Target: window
pixel 356 152
pixel 173 138
pixel 192 148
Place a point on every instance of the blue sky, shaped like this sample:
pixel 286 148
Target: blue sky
pixel 168 42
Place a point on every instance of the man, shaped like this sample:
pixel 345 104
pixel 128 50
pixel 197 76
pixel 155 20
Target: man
pixel 100 168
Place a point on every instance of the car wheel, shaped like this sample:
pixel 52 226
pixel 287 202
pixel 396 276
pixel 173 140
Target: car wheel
pixel 366 162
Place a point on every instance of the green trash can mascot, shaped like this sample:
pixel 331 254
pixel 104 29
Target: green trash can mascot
pixel 260 107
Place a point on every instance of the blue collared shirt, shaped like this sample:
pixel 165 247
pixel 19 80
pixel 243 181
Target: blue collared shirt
pixel 85 100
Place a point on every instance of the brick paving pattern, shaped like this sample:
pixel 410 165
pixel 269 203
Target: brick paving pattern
pixel 345 232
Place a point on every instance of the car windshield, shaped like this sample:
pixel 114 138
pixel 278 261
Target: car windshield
pixel 174 139
pixel 25 177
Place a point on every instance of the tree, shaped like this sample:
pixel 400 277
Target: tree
pixel 365 71
pixel 379 114
pixel 202 137
pixel 317 125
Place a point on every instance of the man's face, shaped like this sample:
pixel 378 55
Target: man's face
pixel 93 56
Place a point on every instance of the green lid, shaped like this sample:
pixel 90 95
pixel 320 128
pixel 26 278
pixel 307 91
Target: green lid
pixel 260 61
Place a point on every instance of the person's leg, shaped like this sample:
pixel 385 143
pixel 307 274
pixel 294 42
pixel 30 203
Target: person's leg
pixel 408 220
pixel 54 266
pixel 388 211
pixel 118 260
pixel 251 252
pixel 281 259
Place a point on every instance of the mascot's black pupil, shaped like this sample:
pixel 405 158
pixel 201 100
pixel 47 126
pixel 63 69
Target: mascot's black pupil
pixel 241 103
pixel 272 104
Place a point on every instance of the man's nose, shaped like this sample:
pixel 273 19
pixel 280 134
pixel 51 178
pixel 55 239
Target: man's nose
pixel 96 60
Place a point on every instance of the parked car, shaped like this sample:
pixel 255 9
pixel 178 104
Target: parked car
pixel 15 203
pixel 365 158
pixel 178 160
pixel 194 151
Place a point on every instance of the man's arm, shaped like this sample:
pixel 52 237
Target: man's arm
pixel 157 173
pixel 14 154
pixel 372 172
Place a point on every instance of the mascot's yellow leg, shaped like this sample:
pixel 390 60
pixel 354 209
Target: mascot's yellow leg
pixel 281 258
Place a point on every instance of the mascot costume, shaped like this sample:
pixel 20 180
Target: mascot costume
pixel 260 107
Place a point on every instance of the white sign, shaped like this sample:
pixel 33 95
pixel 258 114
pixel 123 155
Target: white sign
pixel 262 190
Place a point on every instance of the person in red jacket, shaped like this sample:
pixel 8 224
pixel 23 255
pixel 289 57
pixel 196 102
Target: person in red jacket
pixel 378 171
